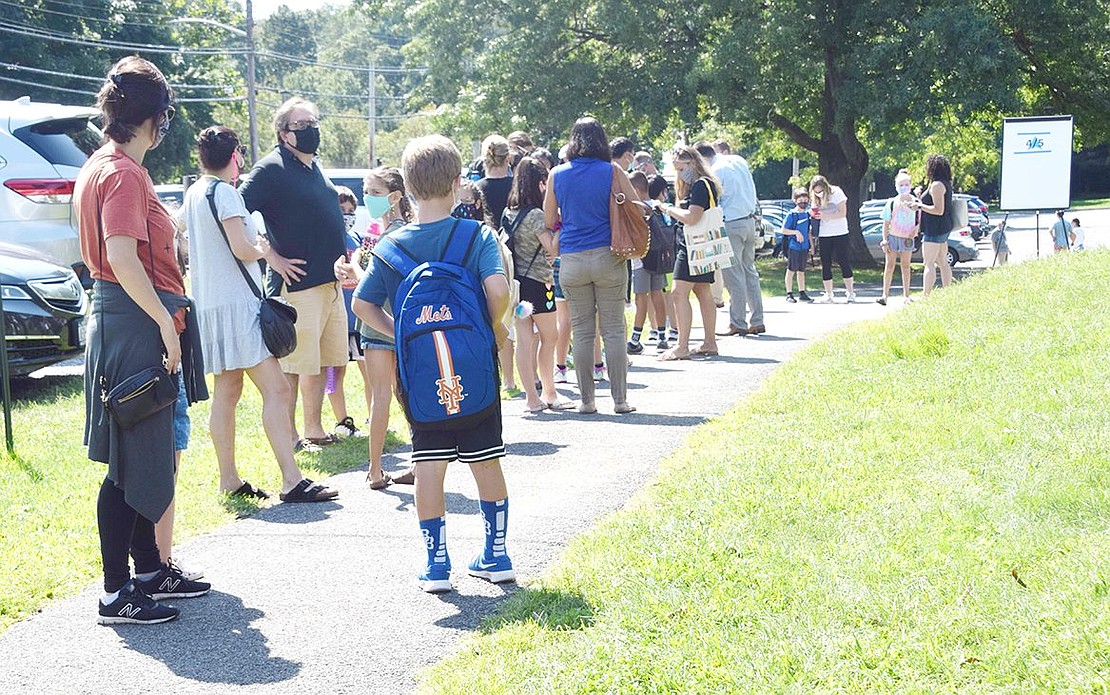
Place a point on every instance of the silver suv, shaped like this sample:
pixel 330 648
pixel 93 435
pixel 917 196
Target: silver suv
pixel 42 147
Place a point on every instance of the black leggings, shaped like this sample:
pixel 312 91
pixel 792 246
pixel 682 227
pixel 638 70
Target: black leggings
pixel 123 530
pixel 838 246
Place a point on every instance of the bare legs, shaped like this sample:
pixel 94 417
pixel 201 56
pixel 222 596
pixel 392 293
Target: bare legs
pixel 935 255
pixel 381 365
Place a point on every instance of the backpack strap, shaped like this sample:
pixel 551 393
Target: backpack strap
pixel 460 241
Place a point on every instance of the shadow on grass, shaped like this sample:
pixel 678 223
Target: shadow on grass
pixel 48 389
pixel 547 608
pixel 212 642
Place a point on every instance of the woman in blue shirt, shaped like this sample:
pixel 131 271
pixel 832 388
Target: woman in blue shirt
pixel 594 281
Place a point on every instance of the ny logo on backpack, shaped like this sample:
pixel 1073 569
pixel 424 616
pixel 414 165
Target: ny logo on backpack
pixel 446 352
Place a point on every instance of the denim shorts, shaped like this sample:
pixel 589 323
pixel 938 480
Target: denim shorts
pixel 936 238
pixel 182 426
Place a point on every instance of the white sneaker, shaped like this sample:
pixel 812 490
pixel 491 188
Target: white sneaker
pixel 851 297
pixel 827 297
pixel 190 573
pixel 560 375
pixel 599 373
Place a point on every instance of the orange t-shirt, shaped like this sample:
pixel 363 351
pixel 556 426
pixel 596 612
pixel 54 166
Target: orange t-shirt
pixel 124 194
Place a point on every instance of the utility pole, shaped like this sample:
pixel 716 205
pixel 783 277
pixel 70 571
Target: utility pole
pixel 372 108
pixel 251 115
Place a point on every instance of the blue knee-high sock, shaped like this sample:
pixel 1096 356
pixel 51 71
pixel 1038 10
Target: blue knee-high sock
pixel 435 540
pixel 496 516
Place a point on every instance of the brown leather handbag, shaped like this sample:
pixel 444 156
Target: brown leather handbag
pixel 628 217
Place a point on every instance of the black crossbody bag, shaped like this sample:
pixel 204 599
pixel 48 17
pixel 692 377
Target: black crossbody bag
pixel 277 316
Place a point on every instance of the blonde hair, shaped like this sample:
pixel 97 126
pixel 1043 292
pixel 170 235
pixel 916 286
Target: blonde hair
pixel 431 165
pixel 685 153
pixel 281 116
pixel 495 151
pixel 903 174
pixel 821 181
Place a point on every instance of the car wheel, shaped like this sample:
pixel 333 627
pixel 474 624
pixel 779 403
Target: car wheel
pixel 952 257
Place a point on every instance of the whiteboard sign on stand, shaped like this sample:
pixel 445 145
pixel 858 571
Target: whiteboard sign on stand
pixel 1036 163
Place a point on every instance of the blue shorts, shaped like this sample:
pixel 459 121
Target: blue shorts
pixel 182 426
pixel 936 238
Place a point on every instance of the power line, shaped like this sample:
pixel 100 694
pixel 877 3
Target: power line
pixel 146 13
pixel 59 13
pixel 150 48
pixel 98 80
pixel 47 86
pixel 357 117
pixel 360 97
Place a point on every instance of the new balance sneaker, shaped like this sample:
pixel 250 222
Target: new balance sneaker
pixel 805 297
pixel 790 298
pixel 133 606
pixel 663 345
pixel 498 570
pixel 170 583
pixel 435 579
pixel 599 373
pixel 560 375
pixel 635 348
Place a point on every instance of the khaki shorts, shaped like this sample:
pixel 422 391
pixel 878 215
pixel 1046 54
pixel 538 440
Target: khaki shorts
pixel 321 330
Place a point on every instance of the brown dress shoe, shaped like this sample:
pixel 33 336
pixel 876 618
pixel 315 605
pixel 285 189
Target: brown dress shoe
pixel 756 330
pixel 733 330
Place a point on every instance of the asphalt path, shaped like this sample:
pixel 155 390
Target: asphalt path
pixel 322 598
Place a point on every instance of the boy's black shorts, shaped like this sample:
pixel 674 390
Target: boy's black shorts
pixel 482 442
pixel 796 259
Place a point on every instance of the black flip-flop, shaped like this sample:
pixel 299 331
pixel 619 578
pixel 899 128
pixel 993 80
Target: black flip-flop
pixel 248 490
pixel 307 491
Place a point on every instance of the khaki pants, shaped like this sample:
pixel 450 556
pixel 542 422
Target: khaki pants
pixel 594 283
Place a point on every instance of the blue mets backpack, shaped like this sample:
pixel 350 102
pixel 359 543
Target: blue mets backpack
pixel 446 353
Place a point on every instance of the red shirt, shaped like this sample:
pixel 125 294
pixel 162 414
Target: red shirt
pixel 124 194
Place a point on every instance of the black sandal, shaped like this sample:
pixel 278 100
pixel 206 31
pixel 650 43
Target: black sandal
pixel 307 491
pixel 248 490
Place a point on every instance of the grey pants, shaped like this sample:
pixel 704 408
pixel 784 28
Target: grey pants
pixel 594 284
pixel 742 279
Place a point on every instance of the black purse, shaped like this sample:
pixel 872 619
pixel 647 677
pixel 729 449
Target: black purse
pixel 277 316
pixel 144 393
pixel 140 395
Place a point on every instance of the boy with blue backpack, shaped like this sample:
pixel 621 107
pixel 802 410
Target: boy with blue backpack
pixel 443 279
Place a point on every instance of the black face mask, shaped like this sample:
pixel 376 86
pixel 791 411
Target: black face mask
pixel 308 140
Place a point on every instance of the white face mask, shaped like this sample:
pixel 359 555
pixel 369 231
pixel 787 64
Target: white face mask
pixel 903 189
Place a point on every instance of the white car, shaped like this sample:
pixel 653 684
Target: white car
pixel 42 147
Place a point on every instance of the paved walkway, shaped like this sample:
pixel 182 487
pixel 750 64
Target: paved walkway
pixel 322 598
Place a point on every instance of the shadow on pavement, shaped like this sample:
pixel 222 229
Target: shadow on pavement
pixel 297 513
pixel 533 448
pixel 457 503
pixel 550 609
pixel 212 642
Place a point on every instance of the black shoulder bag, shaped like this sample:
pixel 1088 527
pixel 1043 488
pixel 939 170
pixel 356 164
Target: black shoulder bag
pixel 277 316
pixel 147 391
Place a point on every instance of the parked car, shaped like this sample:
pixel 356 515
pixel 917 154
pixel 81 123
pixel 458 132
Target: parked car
pixel 44 309
pixel 172 195
pixel 352 178
pixel 42 147
pixel 961 247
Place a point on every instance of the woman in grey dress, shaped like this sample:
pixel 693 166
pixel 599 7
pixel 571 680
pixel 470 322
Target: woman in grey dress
pixel 227 310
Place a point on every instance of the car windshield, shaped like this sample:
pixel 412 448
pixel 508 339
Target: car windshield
pixel 354 184
pixel 66 142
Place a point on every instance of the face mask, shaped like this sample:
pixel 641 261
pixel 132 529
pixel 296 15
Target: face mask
pixel 349 220
pixel 688 175
pixel 308 140
pixel 163 130
pixel 904 189
pixel 378 205
pixel 803 204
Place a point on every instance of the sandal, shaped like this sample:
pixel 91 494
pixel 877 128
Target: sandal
pixel 673 355
pixel 326 440
pixel 702 352
pixel 247 490
pixel 382 484
pixel 561 405
pixel 406 478
pixel 307 491
pixel 538 409
pixel 305 445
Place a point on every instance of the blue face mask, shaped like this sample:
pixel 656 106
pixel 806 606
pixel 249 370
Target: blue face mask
pixel 376 205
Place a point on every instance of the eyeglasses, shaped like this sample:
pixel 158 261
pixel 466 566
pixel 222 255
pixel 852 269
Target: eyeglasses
pixel 242 149
pixel 296 126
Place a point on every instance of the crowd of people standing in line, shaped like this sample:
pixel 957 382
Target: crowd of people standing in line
pixel 543 257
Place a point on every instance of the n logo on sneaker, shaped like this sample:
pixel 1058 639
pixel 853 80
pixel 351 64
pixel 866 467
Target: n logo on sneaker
pixel 129 611
pixel 169 584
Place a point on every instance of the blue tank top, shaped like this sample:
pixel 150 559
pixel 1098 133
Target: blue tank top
pixel 582 189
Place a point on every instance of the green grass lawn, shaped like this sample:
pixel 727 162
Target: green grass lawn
pixel 772 277
pixel 929 515
pixel 1089 203
pixel 49 546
